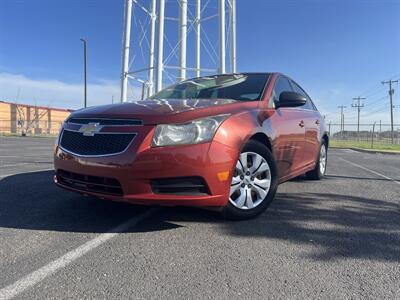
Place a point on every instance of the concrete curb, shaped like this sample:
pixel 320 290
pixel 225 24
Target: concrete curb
pixel 372 151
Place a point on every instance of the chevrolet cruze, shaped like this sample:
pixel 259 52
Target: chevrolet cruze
pixel 223 141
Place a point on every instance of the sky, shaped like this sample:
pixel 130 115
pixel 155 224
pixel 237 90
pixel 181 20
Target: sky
pixel 335 49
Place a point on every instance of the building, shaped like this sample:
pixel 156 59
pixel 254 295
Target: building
pixel 26 119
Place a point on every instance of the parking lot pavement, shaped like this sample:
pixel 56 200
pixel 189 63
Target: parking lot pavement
pixel 19 155
pixel 335 238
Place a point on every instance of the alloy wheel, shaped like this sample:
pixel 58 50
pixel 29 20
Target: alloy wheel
pixel 251 181
pixel 322 159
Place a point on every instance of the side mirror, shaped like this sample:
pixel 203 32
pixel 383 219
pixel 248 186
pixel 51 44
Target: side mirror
pixel 290 99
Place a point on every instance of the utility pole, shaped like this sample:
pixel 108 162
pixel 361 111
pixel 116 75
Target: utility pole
pixel 391 92
pixel 343 123
pixel 359 106
pixel 342 107
pixel 373 133
pixel 84 71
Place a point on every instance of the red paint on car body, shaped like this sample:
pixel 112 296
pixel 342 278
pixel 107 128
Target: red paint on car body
pixel 294 146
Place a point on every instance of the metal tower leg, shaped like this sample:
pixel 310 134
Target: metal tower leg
pixel 125 50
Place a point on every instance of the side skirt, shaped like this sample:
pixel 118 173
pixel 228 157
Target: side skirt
pixel 297 172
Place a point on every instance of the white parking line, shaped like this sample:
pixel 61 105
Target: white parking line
pixel 371 171
pixel 35 277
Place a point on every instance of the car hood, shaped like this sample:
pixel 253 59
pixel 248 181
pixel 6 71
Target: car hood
pixel 160 111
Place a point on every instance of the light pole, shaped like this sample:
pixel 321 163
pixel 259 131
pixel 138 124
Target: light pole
pixel 84 70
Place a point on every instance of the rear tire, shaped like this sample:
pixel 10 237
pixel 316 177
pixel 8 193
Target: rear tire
pixel 254 183
pixel 320 165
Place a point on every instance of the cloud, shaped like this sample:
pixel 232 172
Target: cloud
pixel 55 93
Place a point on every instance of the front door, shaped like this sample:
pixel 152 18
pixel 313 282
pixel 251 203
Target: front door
pixel 288 127
pixel 289 144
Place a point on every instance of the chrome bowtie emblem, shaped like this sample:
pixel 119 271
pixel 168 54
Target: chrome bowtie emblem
pixel 90 129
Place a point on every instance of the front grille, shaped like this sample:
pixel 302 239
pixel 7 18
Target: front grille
pixel 88 183
pixel 98 144
pixel 180 186
pixel 115 122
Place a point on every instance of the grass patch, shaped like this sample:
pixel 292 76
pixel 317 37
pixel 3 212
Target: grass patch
pixel 365 145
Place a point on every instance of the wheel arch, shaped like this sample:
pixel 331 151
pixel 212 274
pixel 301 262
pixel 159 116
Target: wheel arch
pixel 325 138
pixel 263 139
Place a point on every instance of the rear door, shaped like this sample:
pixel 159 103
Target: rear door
pixel 289 128
pixel 312 127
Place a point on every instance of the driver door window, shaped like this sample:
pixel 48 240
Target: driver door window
pixel 282 85
pixel 297 89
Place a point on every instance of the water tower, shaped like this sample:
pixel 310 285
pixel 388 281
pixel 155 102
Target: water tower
pixel 166 41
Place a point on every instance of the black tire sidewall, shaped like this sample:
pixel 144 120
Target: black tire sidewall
pixel 234 213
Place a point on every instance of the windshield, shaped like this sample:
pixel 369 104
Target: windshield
pixel 245 87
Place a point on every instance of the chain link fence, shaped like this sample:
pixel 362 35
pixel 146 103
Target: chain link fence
pixel 29 120
pixel 367 135
pixel 31 128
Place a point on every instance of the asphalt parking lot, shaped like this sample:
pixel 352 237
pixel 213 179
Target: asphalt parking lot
pixel 334 239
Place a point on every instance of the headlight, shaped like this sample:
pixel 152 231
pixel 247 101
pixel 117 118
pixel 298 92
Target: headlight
pixel 197 131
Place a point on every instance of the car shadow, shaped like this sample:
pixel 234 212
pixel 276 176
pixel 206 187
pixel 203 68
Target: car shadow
pixel 337 226
pixel 32 201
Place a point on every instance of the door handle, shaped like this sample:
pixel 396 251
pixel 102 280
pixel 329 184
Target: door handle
pixel 317 122
pixel 301 124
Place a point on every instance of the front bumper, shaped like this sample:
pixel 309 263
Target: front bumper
pixel 140 163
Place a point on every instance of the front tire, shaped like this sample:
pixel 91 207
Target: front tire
pixel 320 165
pixel 254 183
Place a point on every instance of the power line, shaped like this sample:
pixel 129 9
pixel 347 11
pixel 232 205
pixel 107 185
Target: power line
pixel 375 101
pixel 374 92
pixel 373 89
pixel 379 110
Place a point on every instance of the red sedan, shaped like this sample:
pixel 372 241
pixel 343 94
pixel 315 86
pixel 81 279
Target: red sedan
pixel 222 141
